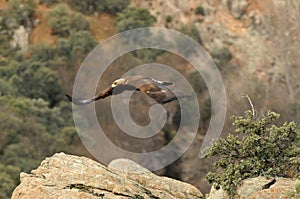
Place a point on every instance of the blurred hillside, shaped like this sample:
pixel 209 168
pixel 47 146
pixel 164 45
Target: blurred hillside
pixel 259 39
pixel 255 45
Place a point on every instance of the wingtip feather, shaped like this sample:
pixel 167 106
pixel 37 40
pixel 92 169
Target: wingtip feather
pixel 69 97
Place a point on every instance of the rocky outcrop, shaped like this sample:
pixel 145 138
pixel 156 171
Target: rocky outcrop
pixel 67 176
pixel 20 38
pixel 282 188
pixel 261 188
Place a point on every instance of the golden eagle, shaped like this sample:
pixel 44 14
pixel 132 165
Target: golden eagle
pixel 161 91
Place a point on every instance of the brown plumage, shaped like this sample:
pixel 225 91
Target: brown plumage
pixel 160 91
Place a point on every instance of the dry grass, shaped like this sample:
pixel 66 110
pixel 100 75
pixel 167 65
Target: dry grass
pixel 102 26
pixel 3 4
pixel 42 32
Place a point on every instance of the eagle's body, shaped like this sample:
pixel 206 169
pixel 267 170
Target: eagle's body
pixel 160 91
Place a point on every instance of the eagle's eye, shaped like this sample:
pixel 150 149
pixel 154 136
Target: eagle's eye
pixel 114 84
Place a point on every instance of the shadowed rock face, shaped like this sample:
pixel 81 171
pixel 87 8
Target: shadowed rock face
pixel 67 176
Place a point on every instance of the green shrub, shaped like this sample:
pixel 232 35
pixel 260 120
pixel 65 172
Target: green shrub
pixel 260 149
pixel 297 188
pixel 221 56
pixel 206 110
pixel 200 11
pixel 91 6
pixel 197 82
pixel 41 52
pixel 63 48
pixel 34 80
pixel 9 177
pixel 82 41
pixel 71 51
pixel 78 22
pixel 86 6
pixel 59 20
pixel 50 2
pixel 181 43
pixel 115 6
pixel 6 88
pixel 191 31
pixel 169 19
pixel 7 24
pixel 147 54
pixel 63 21
pixel 22 11
pixel 133 17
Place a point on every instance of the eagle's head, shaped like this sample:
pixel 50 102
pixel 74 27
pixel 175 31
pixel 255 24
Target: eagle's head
pixel 118 82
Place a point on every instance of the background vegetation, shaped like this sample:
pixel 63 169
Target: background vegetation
pixel 36 120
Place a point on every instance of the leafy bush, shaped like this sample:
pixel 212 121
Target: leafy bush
pixel 260 149
pixel 59 20
pixel 63 21
pixel 41 52
pixel 115 6
pixel 206 111
pixel 91 6
pixel 86 7
pixel 147 54
pixel 6 88
pixel 197 82
pixel 297 188
pixel 192 32
pixel 34 80
pixel 9 177
pixel 169 19
pixel 7 24
pixel 74 49
pixel 133 17
pixel 79 23
pixel 221 56
pixel 200 11
pixel 82 42
pixel 22 11
pixel 50 2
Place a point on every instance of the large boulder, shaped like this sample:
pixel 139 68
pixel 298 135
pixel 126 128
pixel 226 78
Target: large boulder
pixel 67 176
pixel 261 188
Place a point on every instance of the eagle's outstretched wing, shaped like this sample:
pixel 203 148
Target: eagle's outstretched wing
pixel 161 91
pixel 103 94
